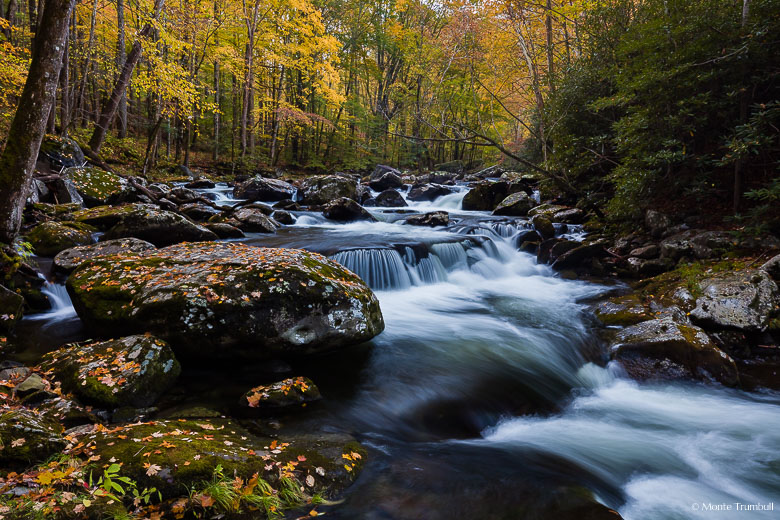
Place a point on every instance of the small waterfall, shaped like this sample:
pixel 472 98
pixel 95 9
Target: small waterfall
pixel 61 306
pixel 451 254
pixel 381 269
pixel 425 270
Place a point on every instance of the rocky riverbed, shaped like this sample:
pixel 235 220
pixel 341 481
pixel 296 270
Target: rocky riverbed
pixel 418 346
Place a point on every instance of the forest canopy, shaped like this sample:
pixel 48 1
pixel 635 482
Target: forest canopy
pixel 612 101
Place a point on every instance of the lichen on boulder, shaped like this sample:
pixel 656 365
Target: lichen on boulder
pixel 69 259
pixel 227 299
pixel 97 186
pixel 131 371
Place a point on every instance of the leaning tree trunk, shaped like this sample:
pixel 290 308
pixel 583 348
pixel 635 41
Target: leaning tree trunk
pixel 17 161
pixel 120 63
pixel 108 112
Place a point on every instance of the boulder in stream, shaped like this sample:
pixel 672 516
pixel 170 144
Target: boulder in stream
pixel 261 188
pixel 27 437
pixel 49 238
pixel 69 259
pixel 292 392
pixel 326 188
pixel 131 371
pixel 433 219
pixel 346 210
pixel 745 301
pixel 227 300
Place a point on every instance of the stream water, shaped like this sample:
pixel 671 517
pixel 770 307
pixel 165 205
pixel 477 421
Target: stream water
pixel 488 395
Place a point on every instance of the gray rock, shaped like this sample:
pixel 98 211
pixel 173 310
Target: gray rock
pixel 433 219
pixel 255 220
pixel 260 188
pixel 578 256
pixel 65 192
pixel 428 192
pixel 381 170
pixel 390 199
pixel 772 268
pixel 27 437
pixel 710 243
pixel 224 230
pixel 663 348
pixel 643 268
pixel 346 210
pixel 678 246
pixel 745 301
pixel 388 181
pixel 646 252
pixel 326 188
pixel 656 223
pixel 147 222
pixel 514 205
pixel 292 392
pixel 569 216
pixel 283 217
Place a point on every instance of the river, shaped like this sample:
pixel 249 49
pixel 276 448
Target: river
pixel 489 394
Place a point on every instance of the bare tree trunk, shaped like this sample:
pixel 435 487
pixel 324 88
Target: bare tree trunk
pixel 17 161
pixel 121 56
pixel 65 90
pixel 10 15
pixel 216 112
pixel 32 12
pixel 120 87
pixel 550 70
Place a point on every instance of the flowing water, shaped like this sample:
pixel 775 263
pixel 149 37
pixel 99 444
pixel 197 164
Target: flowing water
pixel 488 395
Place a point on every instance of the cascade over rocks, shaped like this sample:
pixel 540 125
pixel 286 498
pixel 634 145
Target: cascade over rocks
pixel 260 188
pixel 131 371
pixel 227 300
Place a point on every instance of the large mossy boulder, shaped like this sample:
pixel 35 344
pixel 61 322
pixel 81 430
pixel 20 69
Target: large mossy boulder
pixel 745 301
pixel 175 455
pixel 49 238
pixel 261 188
pixel 663 348
pixel 60 152
pixel 326 188
pixel 145 222
pixel 27 437
pixel 227 299
pixel 131 371
pixel 98 187
pixel 69 259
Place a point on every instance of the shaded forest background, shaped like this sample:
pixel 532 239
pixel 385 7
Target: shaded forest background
pixel 618 104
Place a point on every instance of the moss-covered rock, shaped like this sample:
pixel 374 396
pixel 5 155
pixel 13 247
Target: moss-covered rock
pixel 291 392
pixel 260 188
pixel 11 307
pixel 27 437
pixel 622 311
pixel 227 299
pixel 96 186
pixel 664 348
pixel 49 238
pixel 145 222
pixel 69 259
pixel 60 152
pixel 57 211
pixel 548 210
pixel 175 455
pixel 132 371
pixel 486 195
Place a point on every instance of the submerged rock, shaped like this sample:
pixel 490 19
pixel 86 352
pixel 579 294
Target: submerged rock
pixel 283 394
pixel 69 259
pixel 132 371
pixel 27 437
pixel 50 238
pixel 745 301
pixel 664 348
pixel 227 299
pixel 174 455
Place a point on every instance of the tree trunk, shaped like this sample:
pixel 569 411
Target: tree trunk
pixel 743 117
pixel 120 87
pixel 17 161
pixel 65 89
pixel 121 56
pixel 548 24
pixel 216 111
